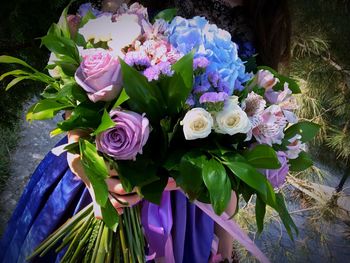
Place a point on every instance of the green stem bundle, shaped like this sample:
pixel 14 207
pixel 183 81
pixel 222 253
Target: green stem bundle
pixel 87 239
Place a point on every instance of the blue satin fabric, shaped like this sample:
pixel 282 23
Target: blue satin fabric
pixel 54 194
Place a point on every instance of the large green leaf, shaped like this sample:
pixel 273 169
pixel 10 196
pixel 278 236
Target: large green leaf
pixel 106 123
pixel 46 109
pixel 176 89
pixel 95 170
pixel 167 14
pixel 85 115
pixel 190 177
pixel 260 211
pixel 249 175
pixel 307 130
pixel 218 184
pixel 153 191
pixel 285 216
pixel 63 47
pixel 110 216
pixel 301 163
pixel 137 173
pixel 262 156
pixel 145 97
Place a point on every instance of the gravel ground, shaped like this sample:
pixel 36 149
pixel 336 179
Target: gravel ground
pixel 33 144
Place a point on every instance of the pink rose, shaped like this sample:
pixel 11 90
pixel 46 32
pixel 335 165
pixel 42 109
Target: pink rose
pixel 99 75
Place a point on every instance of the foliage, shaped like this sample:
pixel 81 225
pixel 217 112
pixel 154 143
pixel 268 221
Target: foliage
pixel 321 63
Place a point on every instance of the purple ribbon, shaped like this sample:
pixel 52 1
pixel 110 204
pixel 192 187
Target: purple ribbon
pixel 157 222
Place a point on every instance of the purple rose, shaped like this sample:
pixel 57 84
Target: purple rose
pixel 278 176
pixel 127 138
pixel 99 75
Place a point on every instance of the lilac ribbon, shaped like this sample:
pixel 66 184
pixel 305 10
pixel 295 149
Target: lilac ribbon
pixel 157 222
pixel 234 230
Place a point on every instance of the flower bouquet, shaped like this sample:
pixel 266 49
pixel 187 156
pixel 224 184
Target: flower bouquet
pixel 163 99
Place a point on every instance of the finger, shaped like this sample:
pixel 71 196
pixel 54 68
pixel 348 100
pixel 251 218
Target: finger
pixel 111 170
pixel 125 201
pixel 116 205
pixel 115 186
pixel 171 185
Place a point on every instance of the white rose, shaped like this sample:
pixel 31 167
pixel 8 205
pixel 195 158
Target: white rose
pixel 232 119
pixel 197 124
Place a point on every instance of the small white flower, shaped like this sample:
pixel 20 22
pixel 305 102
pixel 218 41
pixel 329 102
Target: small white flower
pixel 197 124
pixel 55 72
pixel 232 119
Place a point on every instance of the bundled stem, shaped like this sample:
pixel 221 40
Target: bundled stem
pixel 87 239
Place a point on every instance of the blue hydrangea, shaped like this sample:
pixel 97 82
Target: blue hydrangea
pixel 85 8
pixel 213 43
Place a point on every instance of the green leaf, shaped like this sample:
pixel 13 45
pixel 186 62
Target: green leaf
pixel 95 170
pixel 285 216
pixel 145 97
pixel 89 15
pixel 64 26
pixel 46 109
pixel 260 211
pixel 16 73
pixel 173 160
pixel 218 184
pixel 301 163
pixel 64 48
pixel 190 178
pixel 12 60
pixel 137 173
pixel 176 89
pixel 16 81
pixel 121 99
pixel 56 132
pixel 292 84
pixel 167 14
pixel 153 191
pixel 262 156
pixel 110 216
pixel 73 148
pixel 106 123
pixel 254 179
pixel 85 115
pixel 307 130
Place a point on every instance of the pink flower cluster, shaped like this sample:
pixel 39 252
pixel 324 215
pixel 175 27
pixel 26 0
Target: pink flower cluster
pixel 153 58
pixel 270 114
